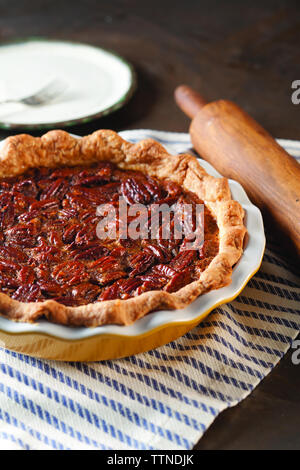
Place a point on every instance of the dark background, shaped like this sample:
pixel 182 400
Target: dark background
pixel 248 52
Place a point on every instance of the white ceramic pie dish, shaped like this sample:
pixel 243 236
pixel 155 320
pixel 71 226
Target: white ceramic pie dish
pixel 53 341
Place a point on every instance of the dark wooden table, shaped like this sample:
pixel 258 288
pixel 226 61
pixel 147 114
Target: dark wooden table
pixel 245 51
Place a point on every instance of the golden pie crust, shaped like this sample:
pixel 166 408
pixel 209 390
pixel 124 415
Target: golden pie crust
pixel 58 148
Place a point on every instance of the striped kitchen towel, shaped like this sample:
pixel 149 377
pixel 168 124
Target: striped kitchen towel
pixel 165 398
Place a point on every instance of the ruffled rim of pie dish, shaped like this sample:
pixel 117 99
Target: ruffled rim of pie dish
pixel 58 148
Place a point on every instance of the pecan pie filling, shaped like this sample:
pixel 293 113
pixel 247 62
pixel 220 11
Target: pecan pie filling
pixel 49 248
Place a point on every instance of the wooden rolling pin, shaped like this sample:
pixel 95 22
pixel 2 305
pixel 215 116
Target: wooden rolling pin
pixel 239 148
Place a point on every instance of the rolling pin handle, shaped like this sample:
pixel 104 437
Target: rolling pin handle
pixel 240 149
pixel 189 100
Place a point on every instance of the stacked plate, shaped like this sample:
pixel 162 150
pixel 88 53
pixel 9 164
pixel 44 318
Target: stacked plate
pixel 97 82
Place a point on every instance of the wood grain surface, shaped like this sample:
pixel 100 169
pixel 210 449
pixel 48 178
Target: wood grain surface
pixel 247 52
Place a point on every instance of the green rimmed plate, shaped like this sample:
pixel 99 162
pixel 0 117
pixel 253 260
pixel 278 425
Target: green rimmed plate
pixel 98 82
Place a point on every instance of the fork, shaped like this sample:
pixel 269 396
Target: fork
pixel 44 95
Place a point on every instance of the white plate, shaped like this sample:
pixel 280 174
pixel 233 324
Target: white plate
pixel 98 82
pixel 157 323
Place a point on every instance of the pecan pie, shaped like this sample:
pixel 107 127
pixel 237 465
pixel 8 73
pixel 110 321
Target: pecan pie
pixel 54 265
